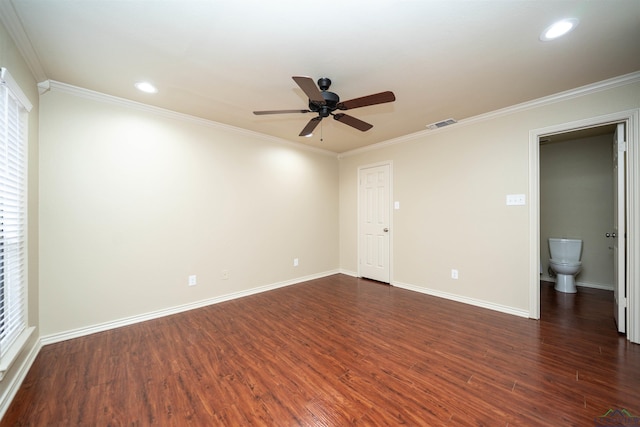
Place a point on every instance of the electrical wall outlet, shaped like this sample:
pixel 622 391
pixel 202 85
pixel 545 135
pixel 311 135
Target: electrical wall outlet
pixel 454 274
pixel 295 262
pixel 192 280
pixel 225 275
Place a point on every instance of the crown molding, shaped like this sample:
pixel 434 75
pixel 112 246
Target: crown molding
pixel 13 24
pixel 547 100
pixel 163 112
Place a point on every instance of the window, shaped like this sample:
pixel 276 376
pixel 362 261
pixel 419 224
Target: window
pixel 14 109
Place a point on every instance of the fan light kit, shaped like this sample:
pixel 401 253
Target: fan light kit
pixel 558 29
pixel 324 103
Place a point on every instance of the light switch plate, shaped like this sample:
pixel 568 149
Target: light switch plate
pixel 516 199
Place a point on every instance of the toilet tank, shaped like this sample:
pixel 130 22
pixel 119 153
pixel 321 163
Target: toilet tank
pixel 565 249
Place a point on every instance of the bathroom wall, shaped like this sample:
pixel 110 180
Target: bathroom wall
pixel 576 201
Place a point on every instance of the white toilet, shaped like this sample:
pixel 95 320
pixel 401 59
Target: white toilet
pixel 565 262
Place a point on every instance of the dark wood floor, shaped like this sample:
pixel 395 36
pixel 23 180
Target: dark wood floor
pixel 341 351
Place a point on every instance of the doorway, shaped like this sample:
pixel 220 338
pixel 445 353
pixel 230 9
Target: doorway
pixel 631 119
pixel 577 201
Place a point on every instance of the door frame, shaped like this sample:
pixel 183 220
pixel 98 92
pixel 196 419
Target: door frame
pixel 391 228
pixel 619 153
pixel 631 118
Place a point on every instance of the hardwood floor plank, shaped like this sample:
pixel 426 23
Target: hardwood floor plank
pixel 341 351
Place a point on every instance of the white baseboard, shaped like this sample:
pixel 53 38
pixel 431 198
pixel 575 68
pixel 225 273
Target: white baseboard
pixel 349 273
pixel 88 330
pixel 606 287
pixel 465 300
pixel 16 381
pixel 76 333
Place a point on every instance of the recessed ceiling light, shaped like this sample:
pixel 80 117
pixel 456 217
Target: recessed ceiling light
pixel 146 87
pixel 558 29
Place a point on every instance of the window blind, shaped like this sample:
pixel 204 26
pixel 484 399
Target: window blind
pixel 14 108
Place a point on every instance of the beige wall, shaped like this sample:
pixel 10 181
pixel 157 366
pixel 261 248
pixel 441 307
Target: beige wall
pixel 126 203
pixel 451 185
pixel 11 59
pixel 133 202
pixel 576 201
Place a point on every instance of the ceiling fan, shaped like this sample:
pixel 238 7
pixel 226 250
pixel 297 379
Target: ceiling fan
pixel 324 103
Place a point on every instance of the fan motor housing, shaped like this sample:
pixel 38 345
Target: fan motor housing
pixel 331 101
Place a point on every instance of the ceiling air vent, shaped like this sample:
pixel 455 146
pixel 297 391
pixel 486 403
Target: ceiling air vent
pixel 441 124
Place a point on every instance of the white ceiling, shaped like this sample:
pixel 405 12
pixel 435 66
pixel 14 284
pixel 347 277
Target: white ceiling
pixel 222 59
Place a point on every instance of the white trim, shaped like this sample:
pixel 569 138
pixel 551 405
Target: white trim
pixel 14 88
pixel 127 103
pixel 465 300
pixel 44 87
pixel 633 226
pixel 547 100
pixel 348 272
pixel 16 348
pixel 16 381
pixel 534 230
pixel 601 286
pixel 632 119
pixel 88 330
pixel 13 24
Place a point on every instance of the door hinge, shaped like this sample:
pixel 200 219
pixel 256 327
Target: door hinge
pixel 622 302
pixel 622 146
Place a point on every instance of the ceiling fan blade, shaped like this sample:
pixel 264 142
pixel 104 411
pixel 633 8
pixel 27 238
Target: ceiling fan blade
pixel 308 129
pixel 377 98
pixel 352 121
pixel 260 113
pixel 309 87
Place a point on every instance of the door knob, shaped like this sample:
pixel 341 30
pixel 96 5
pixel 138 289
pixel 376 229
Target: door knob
pixel 607 234
pixel 386 230
pixel 613 235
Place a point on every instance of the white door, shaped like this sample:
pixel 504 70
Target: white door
pixel 374 210
pixel 619 228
